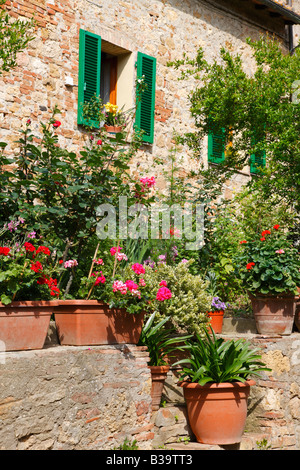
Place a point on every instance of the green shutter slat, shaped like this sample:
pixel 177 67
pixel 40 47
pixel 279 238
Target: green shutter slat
pixel 216 145
pixel 146 65
pixel 89 70
pixel 257 160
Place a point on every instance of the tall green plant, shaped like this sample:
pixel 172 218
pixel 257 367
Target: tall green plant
pixel 216 360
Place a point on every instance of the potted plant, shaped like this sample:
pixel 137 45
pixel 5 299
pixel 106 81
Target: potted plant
pixel 216 314
pixel 269 268
pixel 216 384
pixel 28 289
pixel 115 118
pixel 110 305
pixel 161 343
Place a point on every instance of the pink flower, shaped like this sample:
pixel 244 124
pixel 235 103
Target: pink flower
pixel 163 293
pixel 142 283
pixel 138 268
pixel 131 285
pixel 163 283
pixel 149 182
pixel 114 250
pixel 119 286
pixel 98 261
pixel 71 263
pixel 100 279
pixel 99 142
pixel 279 251
pixel 121 257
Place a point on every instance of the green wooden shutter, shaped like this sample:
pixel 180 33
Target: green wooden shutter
pixel 216 145
pixel 257 160
pixel 89 70
pixel 146 65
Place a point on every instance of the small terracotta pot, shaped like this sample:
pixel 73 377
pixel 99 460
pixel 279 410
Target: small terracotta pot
pixel 217 412
pixel 24 325
pixel 274 315
pixel 216 320
pixel 89 322
pixel 158 377
pixel 113 129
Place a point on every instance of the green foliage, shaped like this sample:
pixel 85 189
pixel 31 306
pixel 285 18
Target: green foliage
pixel 247 106
pixel 128 445
pixel 216 360
pixel 159 340
pixel 14 37
pixel 26 270
pixel 190 301
pixel 270 265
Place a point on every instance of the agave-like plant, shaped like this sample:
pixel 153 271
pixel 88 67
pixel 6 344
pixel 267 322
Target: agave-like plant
pixel 215 360
pixel 159 340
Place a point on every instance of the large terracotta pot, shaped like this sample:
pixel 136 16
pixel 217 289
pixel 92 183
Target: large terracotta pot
pixel 274 315
pixel 216 320
pixel 217 412
pixel 24 325
pixel 89 322
pixel 158 377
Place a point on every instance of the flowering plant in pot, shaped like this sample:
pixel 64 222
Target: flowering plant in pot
pixel 216 314
pixel 216 380
pixel 269 269
pixel 161 342
pixel 28 288
pixel 115 118
pixel 117 292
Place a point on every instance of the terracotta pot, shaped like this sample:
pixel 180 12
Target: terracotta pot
pixel 113 129
pixel 216 320
pixel 24 325
pixel 274 315
pixel 158 377
pixel 217 412
pixel 89 322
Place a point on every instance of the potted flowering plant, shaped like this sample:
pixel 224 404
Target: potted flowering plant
pixel 216 380
pixel 28 289
pixel 113 300
pixel 216 314
pixel 115 118
pixel 269 268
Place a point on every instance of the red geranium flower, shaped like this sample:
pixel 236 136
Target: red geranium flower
pixel 262 239
pixel 29 246
pixel 56 124
pixel 250 265
pixel 4 250
pixel 276 227
pixel 243 241
pixel 43 249
pixel 36 267
pixel 265 232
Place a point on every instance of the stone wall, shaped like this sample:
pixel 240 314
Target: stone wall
pixel 162 28
pixel 64 398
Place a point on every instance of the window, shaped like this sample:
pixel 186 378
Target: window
pixel 106 70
